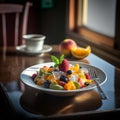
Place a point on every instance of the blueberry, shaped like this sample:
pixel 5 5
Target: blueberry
pixel 51 67
pixel 86 83
pixel 63 78
pixel 69 72
pixel 80 67
pixel 47 84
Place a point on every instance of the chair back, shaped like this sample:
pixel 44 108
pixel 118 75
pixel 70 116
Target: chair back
pixel 21 13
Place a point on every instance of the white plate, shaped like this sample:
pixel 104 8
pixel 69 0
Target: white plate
pixel 27 73
pixel 22 49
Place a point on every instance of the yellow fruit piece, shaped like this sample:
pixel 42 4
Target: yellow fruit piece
pixel 70 86
pixel 90 81
pixel 75 67
pixel 50 77
pixel 81 75
pixel 39 81
pixel 81 52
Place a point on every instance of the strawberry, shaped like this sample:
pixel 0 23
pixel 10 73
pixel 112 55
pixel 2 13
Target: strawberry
pixel 64 66
pixel 60 63
pixel 87 76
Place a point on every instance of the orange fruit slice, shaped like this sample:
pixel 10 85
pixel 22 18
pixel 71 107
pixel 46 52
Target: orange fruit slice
pixel 80 52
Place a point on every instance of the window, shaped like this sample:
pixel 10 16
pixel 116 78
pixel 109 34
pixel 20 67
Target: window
pixel 96 23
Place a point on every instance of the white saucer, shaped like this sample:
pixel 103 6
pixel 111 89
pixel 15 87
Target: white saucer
pixel 22 49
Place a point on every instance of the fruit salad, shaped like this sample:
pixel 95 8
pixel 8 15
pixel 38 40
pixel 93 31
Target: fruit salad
pixel 62 75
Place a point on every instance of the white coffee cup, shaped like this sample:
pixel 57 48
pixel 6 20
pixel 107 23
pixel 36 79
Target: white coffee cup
pixel 34 42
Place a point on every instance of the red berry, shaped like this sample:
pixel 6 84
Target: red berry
pixel 87 76
pixel 64 66
pixel 62 83
pixel 33 76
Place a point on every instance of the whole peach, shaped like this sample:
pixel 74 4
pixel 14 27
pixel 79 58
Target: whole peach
pixel 66 46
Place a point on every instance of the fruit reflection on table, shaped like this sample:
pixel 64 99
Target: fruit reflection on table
pixel 41 103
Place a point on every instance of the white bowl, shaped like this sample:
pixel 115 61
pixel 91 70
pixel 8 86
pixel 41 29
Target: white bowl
pixel 28 72
pixel 34 42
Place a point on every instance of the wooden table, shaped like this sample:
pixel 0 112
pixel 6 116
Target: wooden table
pixel 21 101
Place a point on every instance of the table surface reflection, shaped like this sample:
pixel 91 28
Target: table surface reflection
pixel 28 102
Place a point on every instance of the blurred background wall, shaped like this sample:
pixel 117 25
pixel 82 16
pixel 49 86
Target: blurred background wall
pixel 47 20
